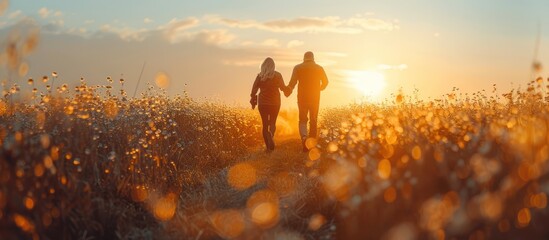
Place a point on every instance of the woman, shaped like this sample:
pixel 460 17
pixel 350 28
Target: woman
pixel 269 83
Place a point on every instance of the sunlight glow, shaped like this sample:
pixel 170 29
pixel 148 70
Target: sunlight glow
pixel 369 83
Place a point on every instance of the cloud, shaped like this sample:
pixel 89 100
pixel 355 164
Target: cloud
pixel 58 22
pixel 125 33
pixel 212 29
pixel 215 37
pixel 15 14
pixel 271 43
pixel 175 29
pixel 330 24
pixel 77 31
pixel 373 24
pixel 44 12
pixel 307 24
pixel 303 24
pixel 54 26
pixel 294 43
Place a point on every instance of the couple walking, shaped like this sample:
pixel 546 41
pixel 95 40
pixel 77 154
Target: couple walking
pixel 310 79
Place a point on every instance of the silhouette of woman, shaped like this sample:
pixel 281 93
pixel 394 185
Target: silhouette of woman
pixel 269 83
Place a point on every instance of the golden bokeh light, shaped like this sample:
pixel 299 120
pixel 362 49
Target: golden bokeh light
pixel 311 143
pixel 332 147
pixel 258 197
pixel 164 208
pixel 23 223
pixel 48 162
pixel 435 213
pixel 162 80
pixel 242 176
pixel 491 206
pixel 69 110
pixel 29 203
pixel 39 170
pixel 524 217
pixel 316 222
pixel 539 200
pixel 416 152
pixel 339 180
pixel 64 180
pixel 384 169
pixel 265 214
pixel 314 154
pixel 263 207
pixel 228 223
pixel 140 193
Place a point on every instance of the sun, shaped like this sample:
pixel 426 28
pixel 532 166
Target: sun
pixel 369 83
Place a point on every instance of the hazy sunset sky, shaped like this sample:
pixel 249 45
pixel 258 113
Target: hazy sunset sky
pixel 213 49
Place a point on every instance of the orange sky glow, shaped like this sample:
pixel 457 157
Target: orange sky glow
pixel 212 50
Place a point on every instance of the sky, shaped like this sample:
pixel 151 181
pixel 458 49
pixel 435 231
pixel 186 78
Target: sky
pixel 212 49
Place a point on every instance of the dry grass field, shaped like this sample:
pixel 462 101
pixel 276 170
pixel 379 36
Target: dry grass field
pixel 86 163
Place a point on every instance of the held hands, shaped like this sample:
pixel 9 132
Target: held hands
pixel 253 101
pixel 287 92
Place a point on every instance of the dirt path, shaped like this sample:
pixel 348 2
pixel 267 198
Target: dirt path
pixel 287 157
pixel 264 196
pixel 289 173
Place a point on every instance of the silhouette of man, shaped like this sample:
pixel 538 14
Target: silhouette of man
pixel 310 79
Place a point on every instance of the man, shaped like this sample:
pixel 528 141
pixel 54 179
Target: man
pixel 311 79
